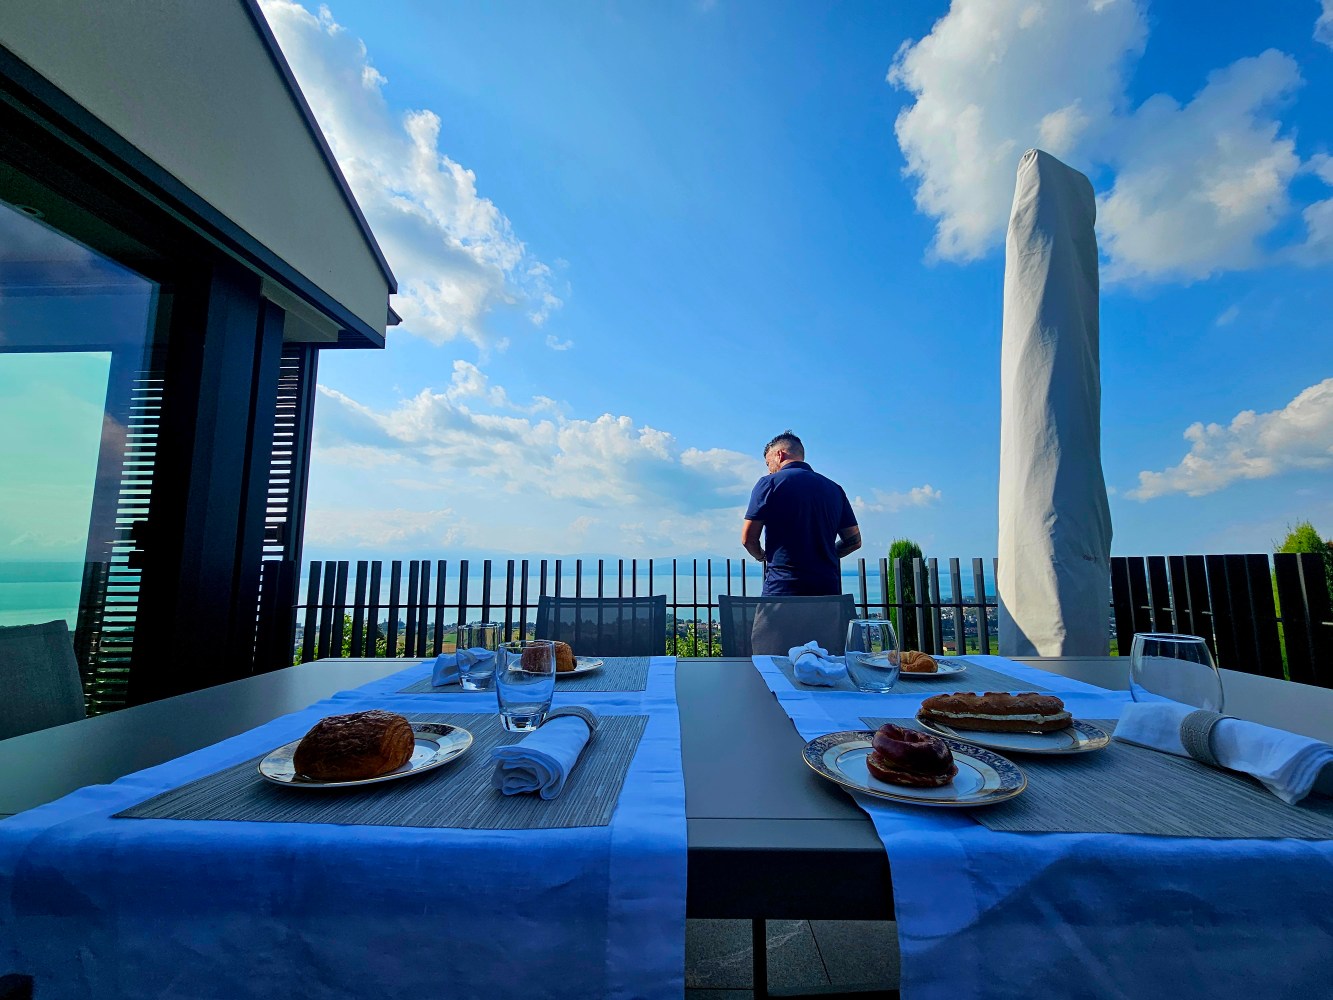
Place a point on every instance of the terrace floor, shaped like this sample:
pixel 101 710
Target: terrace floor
pixel 803 955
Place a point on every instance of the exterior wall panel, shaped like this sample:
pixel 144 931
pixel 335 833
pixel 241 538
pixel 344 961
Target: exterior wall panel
pixel 193 86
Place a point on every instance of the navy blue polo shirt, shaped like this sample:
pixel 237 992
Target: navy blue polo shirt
pixel 802 513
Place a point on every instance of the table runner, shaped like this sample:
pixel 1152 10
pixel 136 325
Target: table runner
pixel 618 673
pixel 976 678
pixel 94 907
pixel 994 915
pixel 1130 789
pixel 458 794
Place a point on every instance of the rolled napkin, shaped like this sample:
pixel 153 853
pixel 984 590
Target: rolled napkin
pixel 811 664
pixel 1288 765
pixel 542 761
pixel 445 670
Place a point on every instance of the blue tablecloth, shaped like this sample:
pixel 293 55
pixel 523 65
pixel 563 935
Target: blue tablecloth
pixel 99 907
pixel 983 914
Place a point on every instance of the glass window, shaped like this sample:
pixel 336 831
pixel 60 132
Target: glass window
pixel 80 387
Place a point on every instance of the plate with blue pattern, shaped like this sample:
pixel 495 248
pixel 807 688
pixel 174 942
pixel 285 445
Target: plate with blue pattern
pixel 984 777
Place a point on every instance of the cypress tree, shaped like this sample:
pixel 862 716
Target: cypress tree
pixel 906 550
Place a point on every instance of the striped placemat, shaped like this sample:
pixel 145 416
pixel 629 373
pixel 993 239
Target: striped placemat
pixel 455 795
pixel 976 678
pixel 617 673
pixel 1131 789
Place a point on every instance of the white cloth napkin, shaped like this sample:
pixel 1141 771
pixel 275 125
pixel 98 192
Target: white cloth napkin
pixel 542 761
pixel 1288 765
pixel 811 664
pixel 445 670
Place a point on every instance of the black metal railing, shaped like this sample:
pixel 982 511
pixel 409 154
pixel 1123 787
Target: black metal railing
pixel 415 608
pixel 1258 616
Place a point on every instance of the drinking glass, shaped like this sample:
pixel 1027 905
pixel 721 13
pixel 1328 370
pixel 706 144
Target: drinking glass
pixel 872 654
pixel 476 649
pixel 1178 667
pixel 525 683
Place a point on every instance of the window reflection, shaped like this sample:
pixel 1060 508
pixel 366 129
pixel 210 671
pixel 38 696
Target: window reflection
pixel 80 388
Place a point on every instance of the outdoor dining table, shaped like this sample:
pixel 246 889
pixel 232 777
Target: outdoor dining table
pixel 767 837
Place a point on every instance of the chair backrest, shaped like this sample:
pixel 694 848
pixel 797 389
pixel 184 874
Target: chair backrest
pixel 39 677
pixel 605 626
pixel 773 625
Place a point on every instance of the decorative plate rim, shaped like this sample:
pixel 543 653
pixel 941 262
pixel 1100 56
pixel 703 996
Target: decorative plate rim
pixel 419 730
pixel 1094 738
pixel 814 751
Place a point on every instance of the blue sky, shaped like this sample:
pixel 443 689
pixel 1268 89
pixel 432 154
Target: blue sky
pixel 634 241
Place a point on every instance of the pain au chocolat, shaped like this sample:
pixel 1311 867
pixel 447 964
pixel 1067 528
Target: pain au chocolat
pixel 1026 712
pixel 354 747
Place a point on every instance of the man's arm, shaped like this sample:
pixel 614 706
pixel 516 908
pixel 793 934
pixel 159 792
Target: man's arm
pixel 849 540
pixel 750 532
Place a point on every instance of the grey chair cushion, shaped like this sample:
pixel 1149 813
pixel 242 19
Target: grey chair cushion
pixel 772 625
pixel 40 678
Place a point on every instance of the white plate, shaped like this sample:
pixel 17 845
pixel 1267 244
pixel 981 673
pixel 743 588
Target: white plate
pixel 1078 737
pixel 436 744
pixel 944 670
pixel 582 665
pixel 983 778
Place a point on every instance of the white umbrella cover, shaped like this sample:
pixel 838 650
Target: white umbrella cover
pixel 1053 577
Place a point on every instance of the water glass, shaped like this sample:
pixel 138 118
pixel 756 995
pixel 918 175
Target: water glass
pixel 1178 667
pixel 872 654
pixel 525 683
pixel 476 649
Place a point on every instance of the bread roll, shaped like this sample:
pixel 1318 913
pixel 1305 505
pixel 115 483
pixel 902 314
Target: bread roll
pixel 354 747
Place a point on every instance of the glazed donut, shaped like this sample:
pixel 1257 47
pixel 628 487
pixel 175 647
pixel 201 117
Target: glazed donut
pixel 907 757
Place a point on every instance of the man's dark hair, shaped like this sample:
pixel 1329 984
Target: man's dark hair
pixel 789 442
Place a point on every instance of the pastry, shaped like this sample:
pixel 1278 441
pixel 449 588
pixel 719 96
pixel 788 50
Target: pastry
pixel 915 662
pixel 564 657
pixel 907 757
pixel 356 746
pixel 1027 712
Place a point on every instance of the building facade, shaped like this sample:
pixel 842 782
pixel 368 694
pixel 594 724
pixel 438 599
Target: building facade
pixel 177 245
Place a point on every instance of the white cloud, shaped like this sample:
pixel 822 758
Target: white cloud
pixel 556 344
pixel 1252 446
pixel 454 253
pixel 1227 316
pixel 382 530
pixel 1194 188
pixel 1199 185
pixel 1323 28
pixel 993 78
pixel 471 437
pixel 1317 247
pixel 882 502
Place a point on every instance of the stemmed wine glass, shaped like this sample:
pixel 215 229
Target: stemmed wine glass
pixel 1178 667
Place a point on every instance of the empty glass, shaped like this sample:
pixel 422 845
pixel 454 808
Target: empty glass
pixel 476 648
pixel 872 654
pixel 525 683
pixel 1178 667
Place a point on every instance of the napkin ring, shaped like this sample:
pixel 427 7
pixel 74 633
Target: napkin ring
pixel 1196 735
pixel 576 712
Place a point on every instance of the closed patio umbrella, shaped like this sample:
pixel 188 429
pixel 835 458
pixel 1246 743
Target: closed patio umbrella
pixel 1053 577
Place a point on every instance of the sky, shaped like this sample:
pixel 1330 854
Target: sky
pixel 633 242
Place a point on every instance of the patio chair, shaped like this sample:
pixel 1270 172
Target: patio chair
pixel 605 626
pixel 773 625
pixel 40 678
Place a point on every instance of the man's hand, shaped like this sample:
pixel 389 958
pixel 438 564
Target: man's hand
pixel 750 534
pixel 849 540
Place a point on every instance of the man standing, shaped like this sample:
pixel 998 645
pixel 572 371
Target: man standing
pixel 806 521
